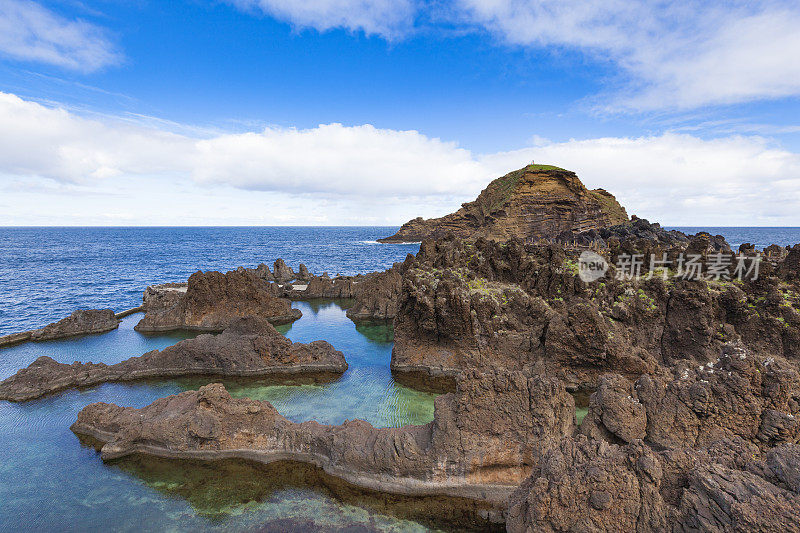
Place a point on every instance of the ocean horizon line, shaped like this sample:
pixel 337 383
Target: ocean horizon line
pixel 666 226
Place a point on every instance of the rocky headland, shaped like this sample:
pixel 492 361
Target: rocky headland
pixel 249 347
pixel 532 203
pixel 212 300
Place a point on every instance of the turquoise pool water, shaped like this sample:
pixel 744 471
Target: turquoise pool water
pixel 50 482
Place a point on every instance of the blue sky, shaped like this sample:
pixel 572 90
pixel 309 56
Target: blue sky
pixel 376 111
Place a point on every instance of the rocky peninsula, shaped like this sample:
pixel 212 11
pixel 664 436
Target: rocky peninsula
pixel 248 347
pixel 532 203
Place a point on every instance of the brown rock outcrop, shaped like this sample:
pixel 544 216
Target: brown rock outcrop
pixel 163 296
pixel 589 485
pixel 248 347
pixel 534 202
pixel 303 274
pixel 80 322
pixel 592 485
pixel 374 295
pixel 511 305
pixel 213 300
pixel 472 449
pixel 282 272
pixel 738 395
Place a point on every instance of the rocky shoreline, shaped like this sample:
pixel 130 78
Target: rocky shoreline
pixel 693 419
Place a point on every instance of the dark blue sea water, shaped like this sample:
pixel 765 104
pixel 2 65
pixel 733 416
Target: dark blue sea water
pixel 760 237
pixel 46 273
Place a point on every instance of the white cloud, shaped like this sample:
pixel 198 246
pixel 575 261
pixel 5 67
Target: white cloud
pixel 387 18
pixel 350 175
pixel 31 32
pixel 675 54
pixel 362 160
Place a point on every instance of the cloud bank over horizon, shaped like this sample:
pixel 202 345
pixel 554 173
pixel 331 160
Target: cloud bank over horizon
pixel 118 172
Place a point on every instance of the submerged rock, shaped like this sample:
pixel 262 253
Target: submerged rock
pixel 213 300
pixel 248 347
pixel 534 202
pixel 483 441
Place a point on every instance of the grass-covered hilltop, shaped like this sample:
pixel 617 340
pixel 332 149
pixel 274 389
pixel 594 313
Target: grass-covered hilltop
pixel 534 202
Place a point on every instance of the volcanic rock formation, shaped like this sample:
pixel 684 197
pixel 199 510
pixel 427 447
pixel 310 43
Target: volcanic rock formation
pixel 738 395
pixel 374 295
pixel 472 449
pixel 591 485
pixel 535 202
pixel 511 305
pixel 248 347
pixel 213 300
pixel 80 322
pixel 161 297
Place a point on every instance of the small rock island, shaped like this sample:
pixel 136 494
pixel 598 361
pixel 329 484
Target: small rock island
pixel 534 202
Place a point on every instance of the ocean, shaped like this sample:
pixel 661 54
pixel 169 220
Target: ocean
pixel 46 273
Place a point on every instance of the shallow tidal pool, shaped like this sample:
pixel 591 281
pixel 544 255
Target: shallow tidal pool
pixel 49 481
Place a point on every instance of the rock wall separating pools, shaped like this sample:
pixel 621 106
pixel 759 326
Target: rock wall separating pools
pixel 374 295
pixel 249 347
pixel 80 322
pixel 484 439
